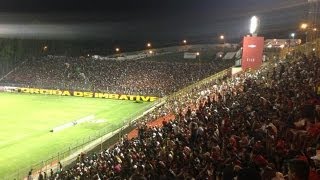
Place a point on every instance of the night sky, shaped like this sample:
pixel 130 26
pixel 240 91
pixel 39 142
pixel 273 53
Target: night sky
pixel 148 20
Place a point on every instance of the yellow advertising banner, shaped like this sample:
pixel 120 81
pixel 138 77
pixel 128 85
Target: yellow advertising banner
pixel 86 94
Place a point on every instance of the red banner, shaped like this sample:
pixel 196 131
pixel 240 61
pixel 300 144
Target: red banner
pixel 252 52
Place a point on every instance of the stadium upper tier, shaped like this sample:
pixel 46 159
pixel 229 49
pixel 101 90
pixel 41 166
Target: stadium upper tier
pixel 142 77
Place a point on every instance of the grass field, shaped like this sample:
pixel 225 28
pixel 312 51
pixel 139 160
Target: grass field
pixel 25 122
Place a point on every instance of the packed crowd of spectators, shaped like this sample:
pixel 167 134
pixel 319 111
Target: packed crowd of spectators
pixel 129 77
pixel 258 125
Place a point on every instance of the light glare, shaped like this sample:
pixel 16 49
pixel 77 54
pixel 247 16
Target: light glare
pixel 304 26
pixel 253 24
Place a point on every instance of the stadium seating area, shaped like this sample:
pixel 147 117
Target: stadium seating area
pixel 250 127
pixel 141 77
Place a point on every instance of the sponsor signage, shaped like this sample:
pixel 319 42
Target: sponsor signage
pixel 88 94
pixel 252 52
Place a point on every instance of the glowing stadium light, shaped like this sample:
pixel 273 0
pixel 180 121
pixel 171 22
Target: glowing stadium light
pixel 197 53
pixel 254 21
pixel 150 52
pixel 88 55
pixel 45 48
pixel 184 41
pixel 304 26
pixel 222 37
pixel 292 36
pixel 117 49
pixel 148 45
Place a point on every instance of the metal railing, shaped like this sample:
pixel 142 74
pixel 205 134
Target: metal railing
pixel 199 84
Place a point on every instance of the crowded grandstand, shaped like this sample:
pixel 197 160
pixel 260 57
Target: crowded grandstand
pixel 250 126
pixel 253 125
pixel 142 76
pixel 219 111
pixel 257 124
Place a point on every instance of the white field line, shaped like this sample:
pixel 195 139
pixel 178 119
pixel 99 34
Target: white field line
pixel 73 123
pixel 80 121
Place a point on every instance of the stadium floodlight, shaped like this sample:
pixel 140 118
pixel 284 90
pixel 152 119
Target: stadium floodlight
pixel 150 52
pixel 222 39
pixel 197 53
pixel 293 35
pixel 304 26
pixel 45 48
pixel 184 41
pixel 117 49
pixel 149 45
pixel 254 21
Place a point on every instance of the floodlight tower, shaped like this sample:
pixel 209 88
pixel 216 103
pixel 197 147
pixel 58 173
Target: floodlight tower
pixel 254 23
